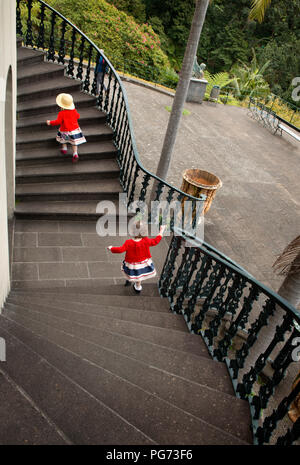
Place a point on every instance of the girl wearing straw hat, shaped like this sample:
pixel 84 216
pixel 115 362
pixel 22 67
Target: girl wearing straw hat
pixel 69 130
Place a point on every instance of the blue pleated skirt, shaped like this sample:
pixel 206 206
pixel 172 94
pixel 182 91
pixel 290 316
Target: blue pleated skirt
pixel 138 271
pixel 74 137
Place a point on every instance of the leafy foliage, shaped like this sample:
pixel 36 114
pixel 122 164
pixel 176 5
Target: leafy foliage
pixel 121 38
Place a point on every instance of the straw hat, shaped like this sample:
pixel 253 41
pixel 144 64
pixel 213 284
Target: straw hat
pixel 65 101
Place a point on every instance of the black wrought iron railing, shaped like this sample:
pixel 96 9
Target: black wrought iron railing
pixel 44 28
pixel 242 322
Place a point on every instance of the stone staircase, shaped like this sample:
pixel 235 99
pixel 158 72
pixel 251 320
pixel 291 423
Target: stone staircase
pixel 94 363
pixel 47 183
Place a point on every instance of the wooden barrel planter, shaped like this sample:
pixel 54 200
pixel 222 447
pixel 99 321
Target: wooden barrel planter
pixel 196 182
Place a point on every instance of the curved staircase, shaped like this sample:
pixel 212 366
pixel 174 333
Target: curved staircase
pixel 89 362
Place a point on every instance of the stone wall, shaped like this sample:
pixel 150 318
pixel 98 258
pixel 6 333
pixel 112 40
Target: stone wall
pixel 7 133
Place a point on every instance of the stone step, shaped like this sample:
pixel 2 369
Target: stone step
pixel 128 299
pixel 82 417
pixel 47 106
pixel 160 384
pixel 88 116
pixel 47 87
pixel 63 210
pixel 149 289
pixel 156 335
pixel 181 363
pixel 89 151
pixel 39 72
pixel 104 189
pixel 99 315
pixel 68 171
pixel 46 137
pixel 16 408
pixel 158 419
pixel 28 57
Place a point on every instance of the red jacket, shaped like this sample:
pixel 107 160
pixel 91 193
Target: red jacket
pixel 67 120
pixel 137 251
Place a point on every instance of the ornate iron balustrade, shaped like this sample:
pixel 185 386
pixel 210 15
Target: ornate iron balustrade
pixel 242 322
pixel 44 28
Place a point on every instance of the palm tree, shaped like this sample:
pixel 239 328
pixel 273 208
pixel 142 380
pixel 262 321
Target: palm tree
pixel 249 80
pixel 182 87
pixel 258 9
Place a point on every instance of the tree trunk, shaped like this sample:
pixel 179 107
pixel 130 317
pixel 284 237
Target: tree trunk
pixel 182 88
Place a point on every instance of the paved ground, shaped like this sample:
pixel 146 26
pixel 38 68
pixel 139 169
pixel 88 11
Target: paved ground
pixel 68 253
pixel 256 213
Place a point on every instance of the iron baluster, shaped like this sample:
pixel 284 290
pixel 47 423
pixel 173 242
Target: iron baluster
pixel 134 178
pixel 181 276
pixel 126 169
pixel 121 122
pixel 80 64
pixel 240 356
pixel 41 36
pixel 285 351
pixel 249 378
pixel 107 90
pixel 199 276
pixel 145 184
pixel 186 277
pixel 112 102
pixel 51 50
pixel 29 37
pixel 124 150
pixel 211 286
pixel 18 19
pixel 61 53
pixel 202 273
pixel 114 118
pixel 86 85
pixel 169 265
pixel 70 69
pixel 155 203
pixel 240 321
pixel 94 84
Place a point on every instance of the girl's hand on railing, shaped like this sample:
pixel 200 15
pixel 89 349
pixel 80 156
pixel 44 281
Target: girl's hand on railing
pixel 162 229
pixel 109 247
pixel 48 122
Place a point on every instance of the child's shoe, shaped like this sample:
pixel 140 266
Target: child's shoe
pixel 127 283
pixel 137 290
pixel 64 151
pixel 75 158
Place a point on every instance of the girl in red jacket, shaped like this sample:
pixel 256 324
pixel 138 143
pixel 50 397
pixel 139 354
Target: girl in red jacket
pixel 138 264
pixel 69 130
